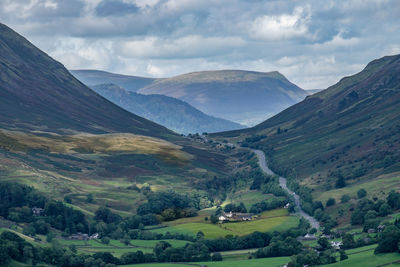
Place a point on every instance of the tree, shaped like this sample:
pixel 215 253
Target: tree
pixel 89 198
pixel 214 219
pixel 324 243
pixel 340 182
pixel 73 249
pixel 105 240
pixel 307 258
pixel 384 210
pixel 345 198
pixel 68 199
pixel 361 193
pixel 199 235
pixel 330 202
pixel 343 255
pixel 357 217
pixel 393 200
pixel 348 241
pixel 216 257
pixel 389 240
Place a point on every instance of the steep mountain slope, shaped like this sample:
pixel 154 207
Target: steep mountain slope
pixel 64 139
pixel 170 112
pixel 94 77
pixel 350 130
pixel 241 96
pixel 38 93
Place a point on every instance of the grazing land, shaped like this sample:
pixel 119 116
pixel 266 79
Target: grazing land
pixel 275 220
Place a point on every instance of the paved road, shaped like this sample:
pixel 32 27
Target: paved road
pixel 283 183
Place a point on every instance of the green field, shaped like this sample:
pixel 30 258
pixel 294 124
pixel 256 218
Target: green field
pixel 378 187
pixel 116 251
pixel 274 220
pixel 247 197
pixel 270 262
pixel 116 247
pixel 262 225
pixel 209 230
pixel 368 259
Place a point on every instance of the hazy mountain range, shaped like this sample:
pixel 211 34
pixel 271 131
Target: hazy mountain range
pixel 170 112
pixel 243 97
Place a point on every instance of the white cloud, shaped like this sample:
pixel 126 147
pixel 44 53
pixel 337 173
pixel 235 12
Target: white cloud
pixel 50 4
pixel 284 26
pixel 77 53
pixel 314 44
pixel 185 47
pixel 338 42
pixel 155 71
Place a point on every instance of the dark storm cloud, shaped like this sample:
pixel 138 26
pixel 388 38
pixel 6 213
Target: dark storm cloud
pixel 313 42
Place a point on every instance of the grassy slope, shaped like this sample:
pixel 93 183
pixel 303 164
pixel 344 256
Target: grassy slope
pixel 105 166
pixel 274 220
pixel 350 128
pixel 65 139
pixel 42 95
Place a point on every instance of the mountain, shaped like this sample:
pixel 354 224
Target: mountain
pixel 38 93
pixel 245 97
pixel 170 112
pixel 351 130
pixel 95 77
pixel 313 91
pixel 64 139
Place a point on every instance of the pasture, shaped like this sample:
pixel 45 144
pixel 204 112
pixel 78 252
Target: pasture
pixel 274 220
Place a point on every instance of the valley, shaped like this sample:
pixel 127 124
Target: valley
pixel 207 168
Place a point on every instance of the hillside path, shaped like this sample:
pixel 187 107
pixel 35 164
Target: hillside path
pixel 283 183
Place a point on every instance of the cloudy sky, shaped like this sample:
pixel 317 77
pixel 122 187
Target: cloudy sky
pixel 312 42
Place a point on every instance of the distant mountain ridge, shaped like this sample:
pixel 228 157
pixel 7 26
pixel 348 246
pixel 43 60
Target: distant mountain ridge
pixel 173 113
pixel 246 97
pixel 95 77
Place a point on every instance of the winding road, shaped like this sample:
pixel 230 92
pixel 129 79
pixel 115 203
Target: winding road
pixel 283 183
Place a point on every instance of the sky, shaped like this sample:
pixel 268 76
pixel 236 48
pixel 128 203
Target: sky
pixel 313 43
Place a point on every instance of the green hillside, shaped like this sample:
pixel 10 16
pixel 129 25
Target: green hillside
pixel 66 140
pixel 350 130
pixel 38 94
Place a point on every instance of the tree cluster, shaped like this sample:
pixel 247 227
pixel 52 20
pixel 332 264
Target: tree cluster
pixel 170 205
pixel 17 201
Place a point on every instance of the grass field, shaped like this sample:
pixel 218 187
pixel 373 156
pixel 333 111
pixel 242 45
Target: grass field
pixel 247 197
pixel 116 247
pixel 368 259
pixel 209 230
pixel 270 262
pixel 378 187
pixel 117 252
pixel 274 220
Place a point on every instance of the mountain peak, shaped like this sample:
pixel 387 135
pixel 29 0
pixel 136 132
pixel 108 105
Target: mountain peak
pixel 42 95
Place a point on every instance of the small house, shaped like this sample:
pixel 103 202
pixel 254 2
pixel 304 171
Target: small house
pixel 94 236
pixel 37 211
pixel 336 244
